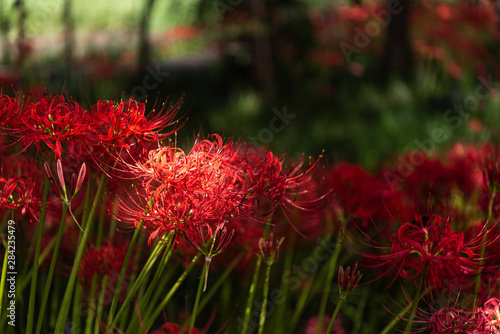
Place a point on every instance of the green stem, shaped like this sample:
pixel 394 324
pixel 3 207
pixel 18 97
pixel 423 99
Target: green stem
pixel 76 316
pixel 281 307
pixel 91 306
pixel 157 311
pixel 358 318
pixel 39 231
pixel 52 268
pixel 137 283
pixel 332 320
pixel 119 284
pixel 4 274
pixel 100 303
pixel 198 295
pixel 43 255
pixel 251 294
pixel 163 264
pixel 305 295
pixel 415 301
pixel 265 294
pixel 153 285
pixel 124 267
pixel 62 318
pixel 331 270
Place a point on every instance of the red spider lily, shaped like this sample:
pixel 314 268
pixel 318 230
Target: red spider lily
pixel 9 108
pixel 181 190
pixel 491 310
pixel 20 186
pixel 52 121
pixel 274 185
pixel 67 130
pixel 20 194
pixel 118 121
pixel 360 195
pixel 450 312
pixel 119 126
pixel 107 260
pixel 453 320
pixel 427 242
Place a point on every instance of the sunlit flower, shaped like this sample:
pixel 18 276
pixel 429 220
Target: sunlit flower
pixel 179 190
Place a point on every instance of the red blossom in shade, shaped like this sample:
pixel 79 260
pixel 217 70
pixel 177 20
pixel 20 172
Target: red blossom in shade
pixel 9 109
pixel 19 194
pixel 20 188
pixel 427 242
pixel 454 320
pixel 172 328
pixel 107 260
pixel 275 185
pixel 360 195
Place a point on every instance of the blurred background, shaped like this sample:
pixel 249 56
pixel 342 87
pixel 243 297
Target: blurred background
pixel 362 80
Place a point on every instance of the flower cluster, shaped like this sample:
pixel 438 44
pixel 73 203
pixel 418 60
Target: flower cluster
pixel 61 128
pixel 212 185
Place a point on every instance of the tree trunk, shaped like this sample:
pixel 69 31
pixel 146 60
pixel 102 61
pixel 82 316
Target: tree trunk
pixel 21 43
pixel 398 53
pixel 144 44
pixel 69 38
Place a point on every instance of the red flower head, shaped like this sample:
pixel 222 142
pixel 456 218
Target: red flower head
pixel 182 191
pixel 123 124
pixel 53 121
pixel 428 242
pixel 20 186
pixel 453 320
pixel 9 109
pixel 20 194
pixel 276 185
pixel 105 261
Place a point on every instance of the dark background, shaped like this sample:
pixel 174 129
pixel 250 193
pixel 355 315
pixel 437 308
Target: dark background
pixel 361 80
